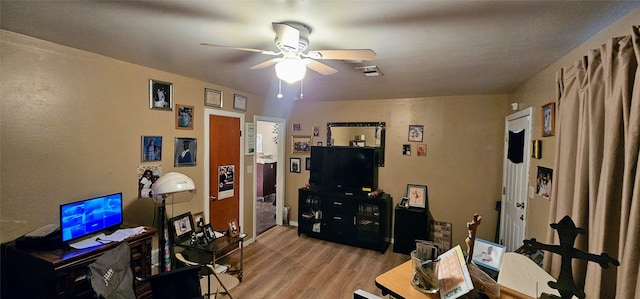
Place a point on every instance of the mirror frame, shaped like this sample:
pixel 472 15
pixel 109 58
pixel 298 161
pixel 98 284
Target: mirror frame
pixel 362 124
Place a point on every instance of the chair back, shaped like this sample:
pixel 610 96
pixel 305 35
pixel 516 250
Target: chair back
pixel 181 283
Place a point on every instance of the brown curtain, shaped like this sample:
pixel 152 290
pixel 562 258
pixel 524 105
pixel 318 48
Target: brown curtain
pixel 597 171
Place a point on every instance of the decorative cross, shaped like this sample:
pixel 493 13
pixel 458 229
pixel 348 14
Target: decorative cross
pixel 567 231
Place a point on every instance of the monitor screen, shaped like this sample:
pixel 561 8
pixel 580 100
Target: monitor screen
pixel 82 218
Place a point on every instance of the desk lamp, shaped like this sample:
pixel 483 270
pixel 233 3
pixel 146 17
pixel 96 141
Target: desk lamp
pixel 172 187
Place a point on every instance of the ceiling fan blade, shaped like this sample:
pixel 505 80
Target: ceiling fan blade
pixel 319 67
pixel 265 64
pixel 242 49
pixel 347 54
pixel 287 35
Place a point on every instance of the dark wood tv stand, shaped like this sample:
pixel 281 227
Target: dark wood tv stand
pixel 62 273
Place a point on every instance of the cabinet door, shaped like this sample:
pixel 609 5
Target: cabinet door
pixel 368 220
pixel 310 213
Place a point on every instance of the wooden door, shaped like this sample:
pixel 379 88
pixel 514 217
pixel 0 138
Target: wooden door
pixel 224 156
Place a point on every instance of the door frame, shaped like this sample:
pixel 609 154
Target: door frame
pixel 239 178
pixel 280 170
pixel 528 112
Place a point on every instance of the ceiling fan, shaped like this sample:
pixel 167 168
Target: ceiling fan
pixel 292 39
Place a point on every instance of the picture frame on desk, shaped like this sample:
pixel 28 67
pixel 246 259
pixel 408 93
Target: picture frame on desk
pixel 234 230
pixel 182 226
pixel 208 233
pixel 417 195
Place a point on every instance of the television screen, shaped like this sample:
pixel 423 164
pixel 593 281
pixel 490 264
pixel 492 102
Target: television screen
pixel 82 218
pixel 344 169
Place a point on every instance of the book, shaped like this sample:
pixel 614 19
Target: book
pixel 453 274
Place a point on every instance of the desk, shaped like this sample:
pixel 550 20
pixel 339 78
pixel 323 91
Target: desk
pixel 62 273
pixel 396 282
pixel 220 245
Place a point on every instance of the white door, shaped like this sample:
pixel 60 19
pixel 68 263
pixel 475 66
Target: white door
pixel 517 147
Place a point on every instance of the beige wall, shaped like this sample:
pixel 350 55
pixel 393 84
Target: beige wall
pixel 463 166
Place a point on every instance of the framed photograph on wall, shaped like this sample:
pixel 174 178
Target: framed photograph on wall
pixel 307 163
pixel 160 95
pixel 543 182
pixel 548 119
pixel 212 98
pixel 415 133
pixel 151 148
pixel 294 165
pixel 186 150
pixel 417 195
pixel 301 144
pixel 184 117
pixel 239 102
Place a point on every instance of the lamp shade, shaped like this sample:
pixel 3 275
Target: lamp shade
pixel 291 69
pixel 172 182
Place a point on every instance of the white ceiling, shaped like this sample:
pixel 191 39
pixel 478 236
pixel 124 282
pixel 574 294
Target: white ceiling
pixel 424 48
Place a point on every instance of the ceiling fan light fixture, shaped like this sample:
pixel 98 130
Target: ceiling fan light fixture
pixel 291 69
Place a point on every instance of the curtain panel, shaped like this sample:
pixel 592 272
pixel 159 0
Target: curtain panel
pixel 597 173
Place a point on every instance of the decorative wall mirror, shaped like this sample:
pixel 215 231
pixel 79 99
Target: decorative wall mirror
pixel 365 134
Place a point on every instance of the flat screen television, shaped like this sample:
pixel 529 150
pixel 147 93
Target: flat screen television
pixel 85 217
pixel 344 169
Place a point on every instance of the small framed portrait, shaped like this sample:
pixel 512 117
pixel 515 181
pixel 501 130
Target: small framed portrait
pixel 186 150
pixel 234 230
pixel 160 95
pixel 212 98
pixel 207 233
pixel 198 220
pixel 548 119
pixel 421 150
pixel 417 195
pixel 182 227
pixel 307 163
pixel 151 148
pixel 319 143
pixel 294 165
pixel 415 133
pixel 296 127
pixel 301 144
pixel 406 149
pixel 316 131
pixel 239 102
pixel 404 202
pixel 184 117
pixel 543 182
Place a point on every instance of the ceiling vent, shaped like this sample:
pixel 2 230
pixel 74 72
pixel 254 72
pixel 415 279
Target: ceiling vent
pixel 370 71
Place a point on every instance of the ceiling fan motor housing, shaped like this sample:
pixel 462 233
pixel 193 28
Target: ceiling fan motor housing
pixel 303 38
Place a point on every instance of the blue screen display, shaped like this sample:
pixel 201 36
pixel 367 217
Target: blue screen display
pixel 85 217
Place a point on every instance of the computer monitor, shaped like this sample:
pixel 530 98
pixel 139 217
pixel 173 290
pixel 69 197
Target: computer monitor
pixel 89 216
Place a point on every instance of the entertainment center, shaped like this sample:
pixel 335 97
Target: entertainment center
pixel 341 204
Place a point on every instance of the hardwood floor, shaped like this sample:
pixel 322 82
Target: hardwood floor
pixel 279 264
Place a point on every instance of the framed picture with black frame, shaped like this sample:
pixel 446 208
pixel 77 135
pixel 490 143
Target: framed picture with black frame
pixel 207 232
pixel 294 165
pixel 182 227
pixel 160 95
pixel 417 195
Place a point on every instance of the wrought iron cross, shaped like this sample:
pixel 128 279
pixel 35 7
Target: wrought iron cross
pixel 567 231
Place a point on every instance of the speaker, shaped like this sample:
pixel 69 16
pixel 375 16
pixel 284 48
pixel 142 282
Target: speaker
pixel 411 224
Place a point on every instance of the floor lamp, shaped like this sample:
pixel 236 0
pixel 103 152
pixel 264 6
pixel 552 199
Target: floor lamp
pixel 164 191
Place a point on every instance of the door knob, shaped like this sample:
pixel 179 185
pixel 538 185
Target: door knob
pixel 212 197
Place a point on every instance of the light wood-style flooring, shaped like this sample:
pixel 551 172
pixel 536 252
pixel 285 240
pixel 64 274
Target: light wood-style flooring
pixel 279 264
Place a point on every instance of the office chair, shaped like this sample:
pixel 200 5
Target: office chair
pixel 181 283
pixel 223 280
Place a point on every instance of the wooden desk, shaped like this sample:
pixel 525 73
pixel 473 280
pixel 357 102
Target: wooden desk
pixel 62 273
pixel 214 249
pixel 397 283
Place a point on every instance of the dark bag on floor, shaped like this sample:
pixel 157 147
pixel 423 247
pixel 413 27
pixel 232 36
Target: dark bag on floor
pixel 111 275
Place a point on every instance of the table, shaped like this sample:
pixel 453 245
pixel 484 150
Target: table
pixel 220 245
pixel 62 272
pixel 396 282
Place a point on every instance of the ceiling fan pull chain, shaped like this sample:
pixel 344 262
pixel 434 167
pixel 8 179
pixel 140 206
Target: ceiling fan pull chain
pixel 301 88
pixel 279 95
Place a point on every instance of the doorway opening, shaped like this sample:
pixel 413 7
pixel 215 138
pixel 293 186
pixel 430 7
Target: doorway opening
pixel 269 161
